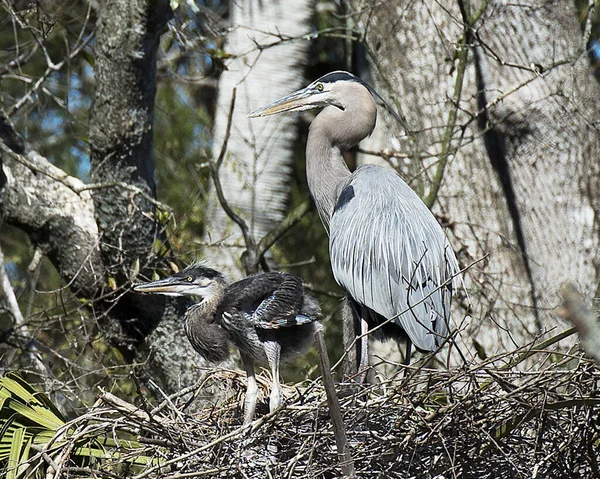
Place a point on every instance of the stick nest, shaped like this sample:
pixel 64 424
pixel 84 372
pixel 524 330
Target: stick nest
pixel 485 420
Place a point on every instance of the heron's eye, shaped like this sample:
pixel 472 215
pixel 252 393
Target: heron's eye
pixel 189 279
pixel 320 86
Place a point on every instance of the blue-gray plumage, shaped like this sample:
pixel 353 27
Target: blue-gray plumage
pixel 267 316
pixel 387 249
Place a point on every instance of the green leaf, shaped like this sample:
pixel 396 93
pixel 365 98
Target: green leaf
pixel 25 455
pixel 28 417
pixel 38 415
pixel 14 457
pixel 480 350
pixel 17 387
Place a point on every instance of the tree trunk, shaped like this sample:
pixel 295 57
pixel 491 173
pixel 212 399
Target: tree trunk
pixel 520 133
pixel 256 170
pixel 53 208
pixel 121 127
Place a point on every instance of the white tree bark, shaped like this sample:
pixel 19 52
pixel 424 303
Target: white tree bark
pixel 529 99
pixel 256 170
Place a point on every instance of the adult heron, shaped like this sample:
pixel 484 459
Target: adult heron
pixel 387 249
pixel 267 316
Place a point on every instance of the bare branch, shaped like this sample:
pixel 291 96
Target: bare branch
pixel 215 166
pixel 13 307
pixel 283 227
pixel 463 52
pixel 346 461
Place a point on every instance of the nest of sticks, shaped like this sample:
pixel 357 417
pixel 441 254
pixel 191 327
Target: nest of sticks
pixel 483 420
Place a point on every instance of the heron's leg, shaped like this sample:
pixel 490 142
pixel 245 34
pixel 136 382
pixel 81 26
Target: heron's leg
pixel 350 321
pixel 251 391
pixel 364 350
pixel 408 352
pixel 273 352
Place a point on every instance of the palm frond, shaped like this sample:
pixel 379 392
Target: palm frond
pixel 32 430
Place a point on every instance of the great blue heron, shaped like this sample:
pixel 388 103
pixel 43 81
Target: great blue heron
pixel 267 316
pixel 387 250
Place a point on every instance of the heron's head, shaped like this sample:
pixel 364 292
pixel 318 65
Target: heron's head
pixel 340 89
pixel 195 280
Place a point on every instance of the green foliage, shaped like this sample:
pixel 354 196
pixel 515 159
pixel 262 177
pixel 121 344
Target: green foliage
pixel 182 146
pixel 31 427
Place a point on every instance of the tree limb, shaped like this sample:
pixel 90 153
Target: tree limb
pixel 463 53
pixel 283 227
pixel 57 219
pixel 215 166
pixel 13 307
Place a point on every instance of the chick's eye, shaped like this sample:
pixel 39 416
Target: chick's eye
pixel 189 279
pixel 320 86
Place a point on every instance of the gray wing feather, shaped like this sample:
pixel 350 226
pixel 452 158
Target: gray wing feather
pixel 389 252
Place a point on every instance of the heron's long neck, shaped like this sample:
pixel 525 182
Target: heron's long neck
pixel 207 308
pixel 326 169
pixel 205 334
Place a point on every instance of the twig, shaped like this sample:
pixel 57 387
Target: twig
pixel 536 348
pixel 254 254
pixel 13 306
pixel 283 227
pixel 9 294
pixel 128 409
pixel 463 52
pixel 215 166
pixel 125 186
pixel 346 461
pixel 253 426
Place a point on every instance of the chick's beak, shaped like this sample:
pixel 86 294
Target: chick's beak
pixel 169 285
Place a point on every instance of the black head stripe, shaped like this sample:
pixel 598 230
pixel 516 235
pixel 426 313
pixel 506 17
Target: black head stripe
pixel 200 270
pixel 338 76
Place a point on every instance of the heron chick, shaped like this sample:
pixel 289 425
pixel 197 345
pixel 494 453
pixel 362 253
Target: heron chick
pixel 267 316
pixel 387 249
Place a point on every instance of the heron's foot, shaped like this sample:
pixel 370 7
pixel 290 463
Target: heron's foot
pixel 249 409
pixel 275 399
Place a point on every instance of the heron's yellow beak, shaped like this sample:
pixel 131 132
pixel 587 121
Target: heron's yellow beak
pixel 300 100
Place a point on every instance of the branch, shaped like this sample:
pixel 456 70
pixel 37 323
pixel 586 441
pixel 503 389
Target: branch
pixel 51 68
pixel 283 227
pixel 57 219
pixel 463 51
pixel 254 254
pixel 13 307
pixel 339 431
pixel 215 166
pixel 128 187
pixel 36 162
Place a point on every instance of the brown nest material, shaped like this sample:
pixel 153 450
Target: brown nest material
pixel 484 420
